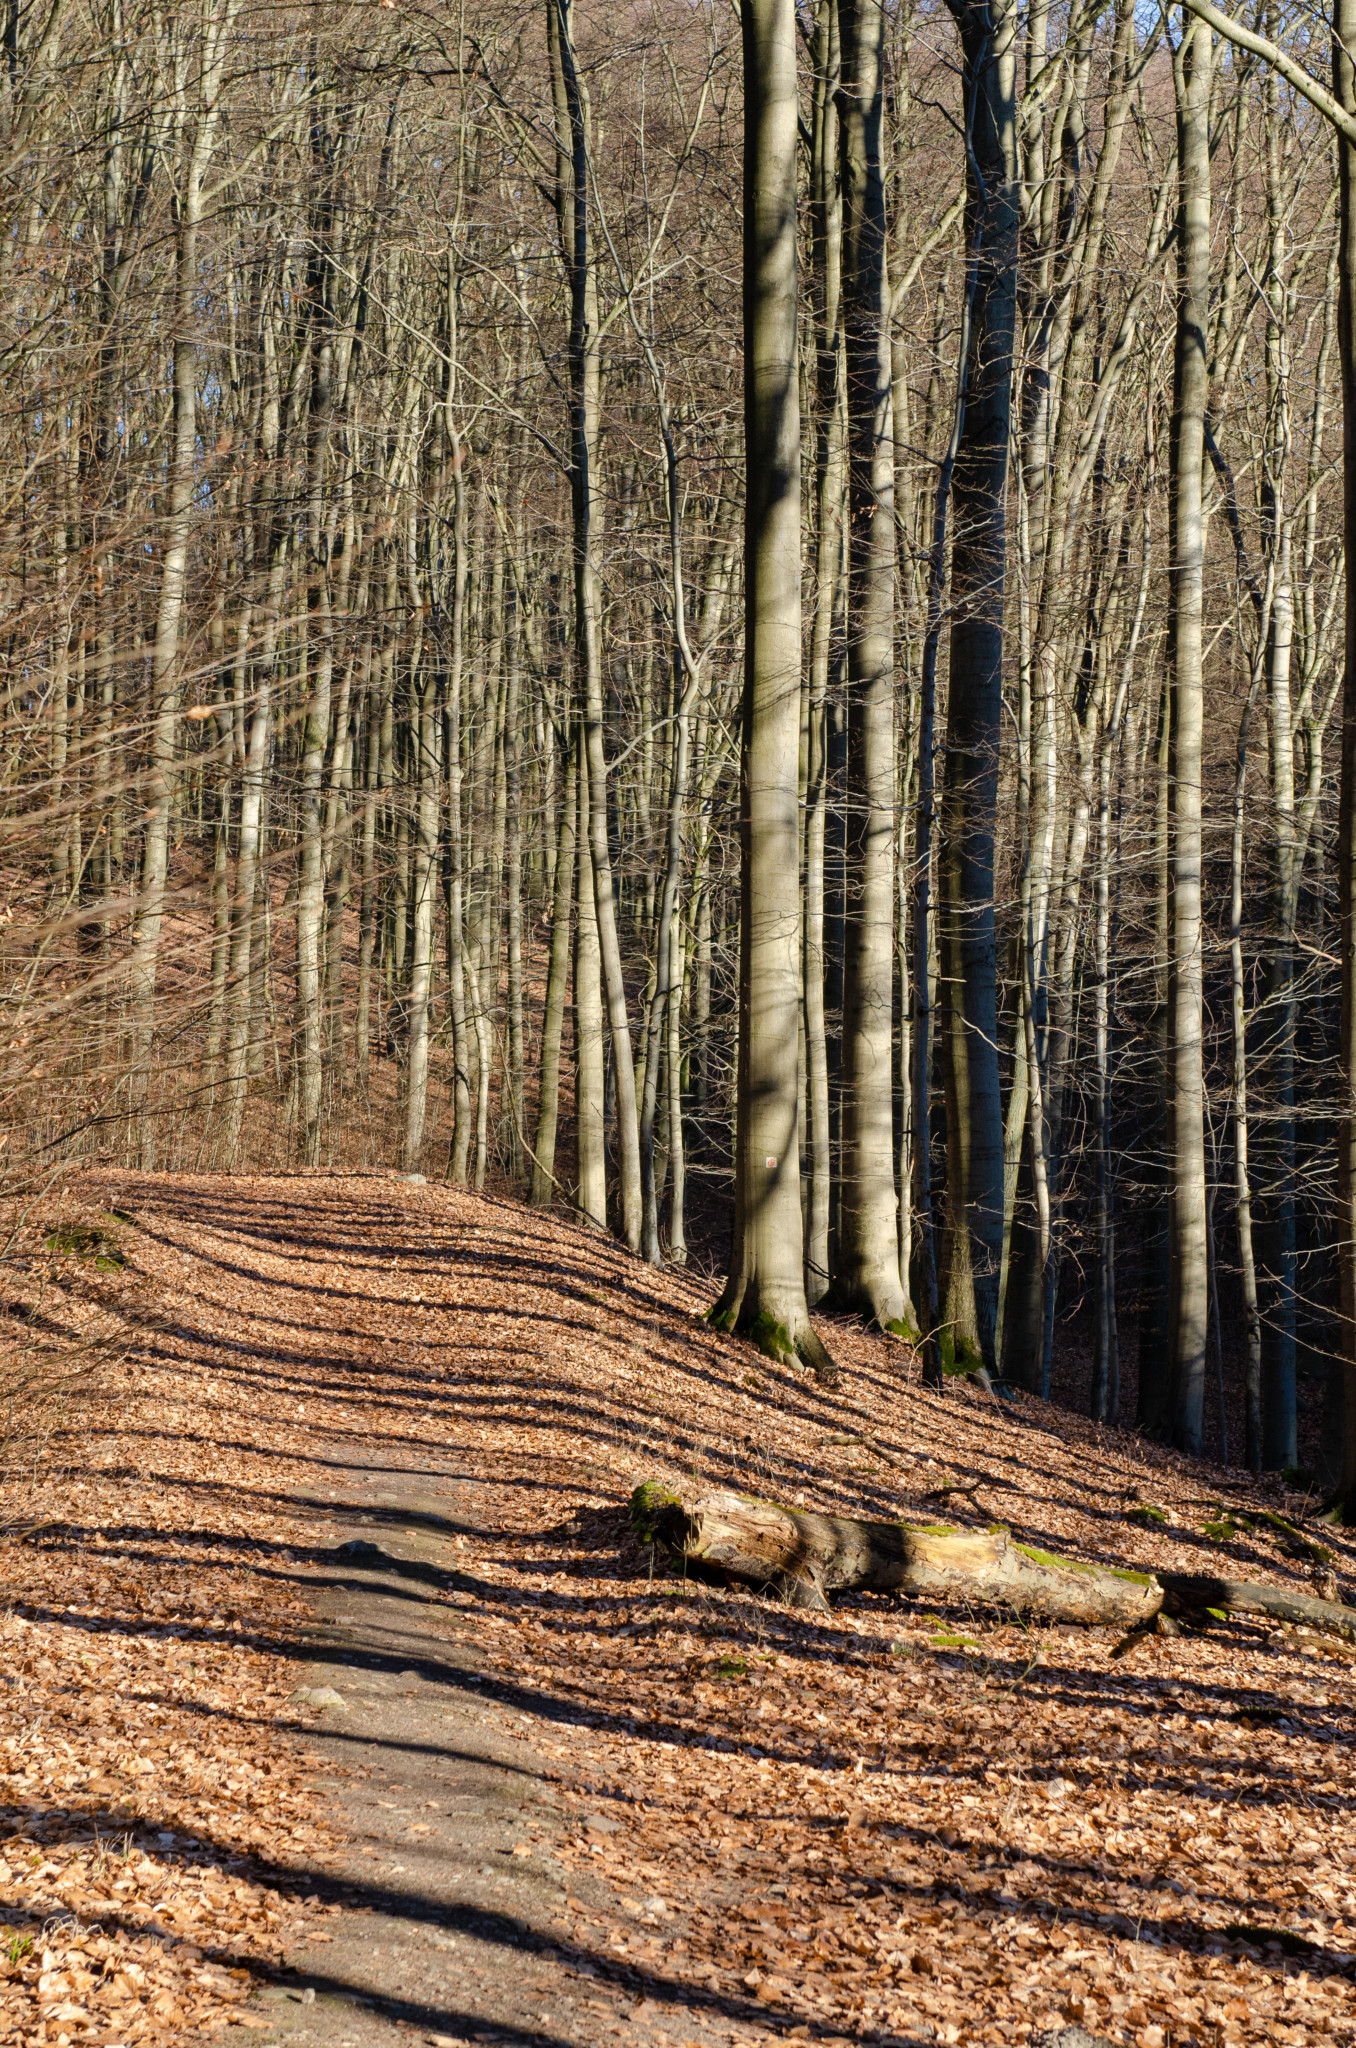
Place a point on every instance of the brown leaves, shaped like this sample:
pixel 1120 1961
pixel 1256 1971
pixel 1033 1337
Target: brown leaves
pixel 896 1822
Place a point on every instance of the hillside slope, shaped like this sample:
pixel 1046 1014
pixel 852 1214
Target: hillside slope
pixel 885 1824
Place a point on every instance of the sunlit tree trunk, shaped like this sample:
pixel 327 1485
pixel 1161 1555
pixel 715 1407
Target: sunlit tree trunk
pixel 866 1264
pixel 1188 1272
pixel 765 1292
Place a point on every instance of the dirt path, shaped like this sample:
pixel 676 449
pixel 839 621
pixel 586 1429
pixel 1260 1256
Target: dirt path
pixel 453 1912
pixel 562 1800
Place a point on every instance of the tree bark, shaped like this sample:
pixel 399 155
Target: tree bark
pixel 1188 1281
pixel 805 1557
pixel 765 1292
pixel 585 371
pixel 866 1263
pixel 969 964
pixel 557 979
pixel 826 238
pixel 1344 79
pixel 589 1080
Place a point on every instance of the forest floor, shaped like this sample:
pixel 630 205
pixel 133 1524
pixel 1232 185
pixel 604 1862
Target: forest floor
pixel 338 1707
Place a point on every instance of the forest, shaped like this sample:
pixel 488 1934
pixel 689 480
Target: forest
pixel 730 622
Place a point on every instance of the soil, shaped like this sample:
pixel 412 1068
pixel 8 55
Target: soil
pixel 453 1918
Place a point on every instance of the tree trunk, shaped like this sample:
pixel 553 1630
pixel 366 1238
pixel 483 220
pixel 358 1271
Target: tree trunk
pixel 804 1557
pixel 765 1292
pixel 1188 1278
pixel 866 1264
pixel 557 978
pixel 589 1077
pixel 179 492
pixel 1344 75
pixel 969 964
pixel 425 906
pixel 585 370
pixel 826 260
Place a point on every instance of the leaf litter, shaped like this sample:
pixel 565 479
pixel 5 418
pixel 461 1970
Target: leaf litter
pixel 886 1824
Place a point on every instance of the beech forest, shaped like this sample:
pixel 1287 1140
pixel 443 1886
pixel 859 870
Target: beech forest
pixel 730 623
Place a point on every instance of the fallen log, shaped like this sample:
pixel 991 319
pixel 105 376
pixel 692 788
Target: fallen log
pixel 1198 1593
pixel 803 1558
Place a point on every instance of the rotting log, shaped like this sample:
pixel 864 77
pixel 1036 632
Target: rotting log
pixel 804 1557
pixel 1199 1593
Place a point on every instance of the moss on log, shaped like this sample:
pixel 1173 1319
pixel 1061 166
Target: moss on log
pixel 1193 1593
pixel 805 1557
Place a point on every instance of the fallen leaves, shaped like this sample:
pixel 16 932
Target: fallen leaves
pixel 883 1821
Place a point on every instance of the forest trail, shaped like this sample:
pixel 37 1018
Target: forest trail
pixel 365 1437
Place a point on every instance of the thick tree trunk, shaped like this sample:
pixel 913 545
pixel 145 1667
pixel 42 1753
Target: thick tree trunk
pixel 1188 1282
pixel 866 1263
pixel 765 1292
pixel 969 963
pixel 826 238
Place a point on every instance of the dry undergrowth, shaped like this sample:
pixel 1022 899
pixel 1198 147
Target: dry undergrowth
pixel 930 1826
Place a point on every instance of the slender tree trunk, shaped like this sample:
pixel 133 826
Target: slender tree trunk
pixel 1188 1277
pixel 1252 1328
pixel 677 1154
pixel 425 887
pixel 557 978
pixel 585 370
pixel 459 1159
pixel 188 53
pixel 590 1123
pixel 866 1265
pixel 367 897
pixel 969 963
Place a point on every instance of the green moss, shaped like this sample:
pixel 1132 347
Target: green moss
pixel 83 1241
pixel 720 1318
pixel 953 1642
pixel 1151 1516
pixel 732 1667
pixel 650 1503
pixel 772 1338
pixel 1076 1564
pixel 958 1360
pixel 900 1326
pixel 1295 1540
